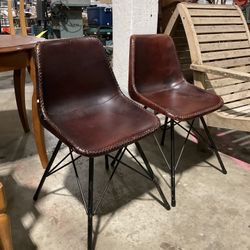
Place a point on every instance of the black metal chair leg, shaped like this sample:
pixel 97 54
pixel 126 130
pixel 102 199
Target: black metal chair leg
pixel 224 171
pixel 35 197
pixel 116 157
pixel 164 131
pixel 152 175
pixel 106 162
pixel 90 203
pixel 172 164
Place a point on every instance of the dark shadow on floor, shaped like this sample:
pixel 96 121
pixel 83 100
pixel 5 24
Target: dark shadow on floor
pixel 14 142
pixel 233 143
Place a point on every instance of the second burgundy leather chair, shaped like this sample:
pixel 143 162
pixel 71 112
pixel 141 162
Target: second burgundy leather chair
pixel 156 81
pixel 81 104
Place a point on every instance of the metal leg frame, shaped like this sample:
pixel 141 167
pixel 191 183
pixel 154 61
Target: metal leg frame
pixel 213 146
pixel 106 162
pixel 46 172
pixel 164 131
pixel 152 175
pixel 147 173
pixel 116 157
pixel 89 205
pixel 78 182
pixel 173 164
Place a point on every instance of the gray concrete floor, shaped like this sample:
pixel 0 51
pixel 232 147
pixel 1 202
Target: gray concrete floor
pixel 213 210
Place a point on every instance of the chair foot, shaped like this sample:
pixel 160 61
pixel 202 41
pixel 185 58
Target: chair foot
pixel 173 203
pixel 90 230
pixel 45 175
pixel 173 199
pixel 224 171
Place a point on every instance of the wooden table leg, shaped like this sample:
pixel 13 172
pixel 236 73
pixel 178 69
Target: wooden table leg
pixel 19 84
pixel 38 129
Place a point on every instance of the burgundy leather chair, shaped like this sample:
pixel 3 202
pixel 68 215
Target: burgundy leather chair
pixel 81 104
pixel 156 81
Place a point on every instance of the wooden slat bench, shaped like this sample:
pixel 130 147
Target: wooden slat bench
pixel 216 42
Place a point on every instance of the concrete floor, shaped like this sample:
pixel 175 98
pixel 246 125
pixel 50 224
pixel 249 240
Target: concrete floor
pixel 213 210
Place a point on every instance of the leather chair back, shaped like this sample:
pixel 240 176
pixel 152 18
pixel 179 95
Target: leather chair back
pixel 153 64
pixel 86 68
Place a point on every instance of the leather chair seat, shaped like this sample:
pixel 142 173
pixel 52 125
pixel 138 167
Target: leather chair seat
pixel 182 101
pixel 102 127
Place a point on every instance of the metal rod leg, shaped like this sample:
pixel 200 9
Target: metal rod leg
pixel 164 131
pixel 106 162
pixel 224 171
pixel 172 164
pixel 78 180
pixel 90 203
pixel 35 197
pixel 151 173
pixel 116 157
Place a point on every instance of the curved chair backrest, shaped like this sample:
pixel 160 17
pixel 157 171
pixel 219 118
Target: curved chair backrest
pixel 153 63
pixel 21 18
pixel 75 72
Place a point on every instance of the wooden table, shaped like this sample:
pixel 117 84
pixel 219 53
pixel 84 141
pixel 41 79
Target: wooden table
pixel 16 55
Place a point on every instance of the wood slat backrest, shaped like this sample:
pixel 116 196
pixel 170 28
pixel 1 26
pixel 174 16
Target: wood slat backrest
pixel 182 49
pixel 217 35
pixel 176 30
pixel 223 39
pixel 21 18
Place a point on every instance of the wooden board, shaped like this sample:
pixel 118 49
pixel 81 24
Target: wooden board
pixel 208 56
pixel 215 12
pixel 222 37
pixel 230 62
pixel 233 88
pixel 216 20
pixel 236 96
pixel 209 29
pixel 220 46
pixel 209 6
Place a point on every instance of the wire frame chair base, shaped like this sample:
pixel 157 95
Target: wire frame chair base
pixel 170 124
pixel 146 172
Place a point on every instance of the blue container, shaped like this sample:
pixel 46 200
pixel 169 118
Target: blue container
pixel 99 16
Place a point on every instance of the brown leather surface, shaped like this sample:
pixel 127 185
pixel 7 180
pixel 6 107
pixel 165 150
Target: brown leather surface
pixel 9 43
pixel 80 101
pixel 156 80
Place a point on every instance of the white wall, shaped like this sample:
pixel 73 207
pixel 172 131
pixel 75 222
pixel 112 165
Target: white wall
pixel 130 17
